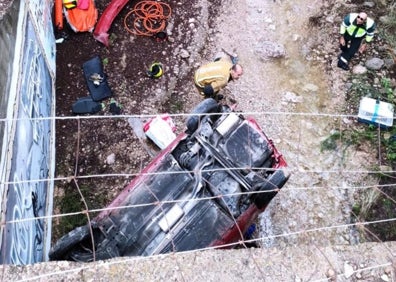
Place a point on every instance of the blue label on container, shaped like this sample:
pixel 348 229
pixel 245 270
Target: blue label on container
pixel 375 114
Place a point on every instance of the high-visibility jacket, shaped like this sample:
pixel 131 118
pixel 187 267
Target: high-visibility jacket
pixel 350 26
pixel 82 20
pixel 217 74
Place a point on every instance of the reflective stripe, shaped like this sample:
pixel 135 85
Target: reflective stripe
pixel 375 114
pixel 70 4
pixel 344 60
pixel 356 31
pixel 155 70
pixel 160 72
pixel 342 29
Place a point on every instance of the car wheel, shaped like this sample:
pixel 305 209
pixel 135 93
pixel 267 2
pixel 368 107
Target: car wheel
pixel 68 242
pixel 209 105
pixel 269 188
pixel 269 161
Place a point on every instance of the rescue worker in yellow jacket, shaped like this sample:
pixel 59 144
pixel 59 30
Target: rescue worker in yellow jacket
pixel 214 76
pixel 354 28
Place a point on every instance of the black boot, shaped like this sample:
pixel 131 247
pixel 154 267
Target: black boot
pixel 219 97
pixel 86 105
pixel 342 65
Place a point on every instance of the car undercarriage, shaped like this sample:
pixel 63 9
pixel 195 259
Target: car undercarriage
pixel 204 190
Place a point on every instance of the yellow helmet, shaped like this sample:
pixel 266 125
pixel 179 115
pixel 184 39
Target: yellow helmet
pixel 70 4
pixel 155 70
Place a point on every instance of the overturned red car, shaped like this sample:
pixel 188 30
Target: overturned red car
pixel 204 190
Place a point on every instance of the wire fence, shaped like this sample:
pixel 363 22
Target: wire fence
pixel 290 189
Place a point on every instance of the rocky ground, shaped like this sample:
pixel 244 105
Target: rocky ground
pixel 296 95
pixel 4 5
pixel 312 211
pixel 334 263
pixel 141 97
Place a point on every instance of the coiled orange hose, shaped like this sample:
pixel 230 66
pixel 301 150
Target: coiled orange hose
pixel 149 18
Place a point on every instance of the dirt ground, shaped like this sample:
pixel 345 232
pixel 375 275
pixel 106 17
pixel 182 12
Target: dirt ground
pixel 83 146
pixel 197 30
pixel 128 58
pixel 4 4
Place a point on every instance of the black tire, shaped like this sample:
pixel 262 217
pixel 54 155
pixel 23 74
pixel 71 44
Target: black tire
pixel 66 244
pixel 275 181
pixel 209 105
pixel 269 161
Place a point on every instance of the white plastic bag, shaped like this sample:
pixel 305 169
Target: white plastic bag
pixel 160 130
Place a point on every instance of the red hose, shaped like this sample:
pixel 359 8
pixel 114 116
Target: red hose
pixel 58 14
pixel 107 18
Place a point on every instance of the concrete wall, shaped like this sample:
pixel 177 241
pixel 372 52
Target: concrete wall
pixel 8 24
pixel 364 262
pixel 27 157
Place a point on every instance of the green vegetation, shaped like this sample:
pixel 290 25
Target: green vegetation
pixel 384 207
pixel 388 30
pixel 375 204
pixel 112 38
pixel 331 142
pixel 68 204
pixel 105 61
pixel 391 149
pixel 350 137
pixel 176 106
pixel 356 208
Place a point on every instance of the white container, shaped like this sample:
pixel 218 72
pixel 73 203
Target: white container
pixel 376 112
pixel 161 130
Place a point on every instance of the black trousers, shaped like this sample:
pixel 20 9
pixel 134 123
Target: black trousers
pixel 353 43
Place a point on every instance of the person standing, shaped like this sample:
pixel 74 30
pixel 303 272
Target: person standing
pixel 354 28
pixel 214 76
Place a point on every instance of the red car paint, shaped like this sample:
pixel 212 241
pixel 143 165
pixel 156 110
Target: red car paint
pixel 106 19
pixel 204 190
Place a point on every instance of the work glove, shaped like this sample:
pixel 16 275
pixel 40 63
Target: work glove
pixel 208 91
pixel 219 97
pixel 115 107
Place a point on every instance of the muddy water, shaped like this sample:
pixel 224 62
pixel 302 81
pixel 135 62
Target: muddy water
pixel 291 99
